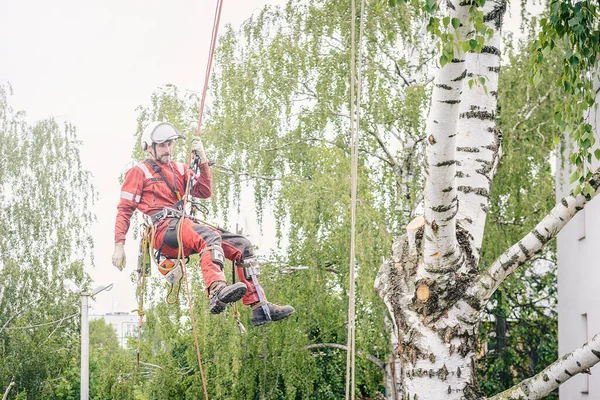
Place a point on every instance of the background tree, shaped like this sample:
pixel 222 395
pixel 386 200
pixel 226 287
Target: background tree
pixel 279 119
pixel 44 201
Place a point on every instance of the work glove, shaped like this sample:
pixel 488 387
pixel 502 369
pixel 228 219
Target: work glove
pixel 198 148
pixel 118 257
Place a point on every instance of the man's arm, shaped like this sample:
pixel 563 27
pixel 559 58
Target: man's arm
pixel 202 182
pixel 130 197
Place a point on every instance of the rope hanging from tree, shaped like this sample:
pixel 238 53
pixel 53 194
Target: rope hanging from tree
pixel 213 42
pixel 354 129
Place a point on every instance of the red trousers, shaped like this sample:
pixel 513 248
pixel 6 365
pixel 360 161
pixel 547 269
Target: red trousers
pixel 196 237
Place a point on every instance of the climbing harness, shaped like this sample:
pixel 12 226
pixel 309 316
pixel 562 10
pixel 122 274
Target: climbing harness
pixel 354 128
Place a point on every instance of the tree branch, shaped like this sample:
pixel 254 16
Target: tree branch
pixel 540 385
pixel 369 357
pixel 530 112
pixel 247 174
pixel 17 313
pixel 532 243
pixel 12 383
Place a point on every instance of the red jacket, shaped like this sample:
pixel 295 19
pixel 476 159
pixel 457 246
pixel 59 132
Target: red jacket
pixel 145 190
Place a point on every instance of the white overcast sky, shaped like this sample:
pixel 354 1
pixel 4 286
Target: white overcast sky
pixel 93 63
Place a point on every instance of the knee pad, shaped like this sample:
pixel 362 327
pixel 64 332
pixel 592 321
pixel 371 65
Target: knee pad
pixel 217 255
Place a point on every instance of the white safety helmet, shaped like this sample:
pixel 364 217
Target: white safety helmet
pixel 159 132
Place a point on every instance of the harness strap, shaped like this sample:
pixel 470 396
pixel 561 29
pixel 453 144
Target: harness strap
pixel 157 169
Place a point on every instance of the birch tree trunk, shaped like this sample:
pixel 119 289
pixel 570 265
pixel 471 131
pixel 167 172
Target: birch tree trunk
pixel 431 285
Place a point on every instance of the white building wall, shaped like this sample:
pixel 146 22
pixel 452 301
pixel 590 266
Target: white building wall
pixel 578 283
pixel 124 324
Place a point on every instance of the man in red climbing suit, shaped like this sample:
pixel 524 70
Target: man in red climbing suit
pixel 159 182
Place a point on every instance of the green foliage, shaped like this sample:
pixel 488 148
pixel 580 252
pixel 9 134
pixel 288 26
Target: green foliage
pixel 573 30
pixel 279 117
pixel 44 229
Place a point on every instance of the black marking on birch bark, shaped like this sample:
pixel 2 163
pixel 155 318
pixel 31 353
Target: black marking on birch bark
pixel 448 189
pixel 458 372
pixel 481 115
pixel 486 166
pixel 543 239
pixel 510 262
pixel 443 373
pixel 494 69
pixel 468 149
pixel 450 101
pixel 525 389
pixel 457 60
pixel 447 163
pixel 460 77
pixel 478 191
pixel 460 174
pixel 490 50
pixel 444 86
pixel 558 381
pixel 435 122
pixel 449 389
pixel 492 147
pixel 450 5
pixel 434 226
pixel 545 378
pixel 451 215
pixel 448 254
pixel 473 302
pixel 568 373
pixel 496 15
pixel 470 75
pixel 524 249
pixel 450 136
pixel 578 364
pixel 494 93
pixel 564 203
pixel 444 208
pixel 578 208
pixel 596 353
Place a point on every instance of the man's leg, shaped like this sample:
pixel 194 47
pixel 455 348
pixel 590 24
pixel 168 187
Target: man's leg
pixel 238 249
pixel 205 240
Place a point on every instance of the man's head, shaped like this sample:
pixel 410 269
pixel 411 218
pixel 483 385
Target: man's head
pixel 157 139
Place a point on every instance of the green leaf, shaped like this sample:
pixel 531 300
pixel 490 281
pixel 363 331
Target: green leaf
pixel 574 176
pixel 443 60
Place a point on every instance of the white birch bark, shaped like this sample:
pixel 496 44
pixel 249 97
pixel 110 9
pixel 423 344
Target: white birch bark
pixel 441 205
pixel 540 385
pixel 533 242
pixel 477 143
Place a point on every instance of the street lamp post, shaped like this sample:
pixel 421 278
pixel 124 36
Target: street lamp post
pixel 85 339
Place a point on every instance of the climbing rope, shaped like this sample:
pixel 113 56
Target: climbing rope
pixel 354 129
pixel 213 42
pixel 144 265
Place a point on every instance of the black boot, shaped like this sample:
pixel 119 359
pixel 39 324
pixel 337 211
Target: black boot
pixel 221 294
pixel 276 312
